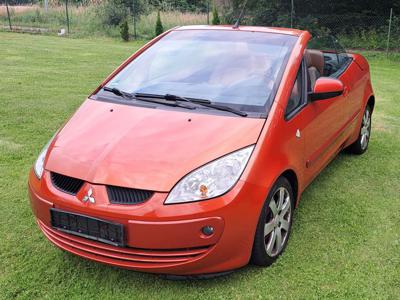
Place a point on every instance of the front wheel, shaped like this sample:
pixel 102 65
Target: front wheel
pixel 274 224
pixel 361 144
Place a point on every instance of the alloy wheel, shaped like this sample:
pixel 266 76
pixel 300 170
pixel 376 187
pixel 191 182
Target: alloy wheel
pixel 277 226
pixel 365 129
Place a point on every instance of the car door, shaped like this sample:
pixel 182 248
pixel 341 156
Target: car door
pixel 296 118
pixel 316 126
pixel 353 79
pixel 324 130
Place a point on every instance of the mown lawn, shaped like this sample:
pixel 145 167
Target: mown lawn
pixel 346 235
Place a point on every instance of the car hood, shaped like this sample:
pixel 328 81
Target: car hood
pixel 144 148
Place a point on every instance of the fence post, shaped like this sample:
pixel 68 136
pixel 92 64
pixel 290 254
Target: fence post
pixel 291 14
pixel 66 12
pixel 134 19
pixel 388 38
pixel 8 15
pixel 208 12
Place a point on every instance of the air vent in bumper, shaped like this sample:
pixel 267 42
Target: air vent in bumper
pixel 66 184
pixel 122 256
pixel 122 195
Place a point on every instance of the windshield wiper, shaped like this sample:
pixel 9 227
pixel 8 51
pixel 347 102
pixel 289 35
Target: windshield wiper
pixel 226 108
pixel 171 97
pixel 131 96
pixel 118 92
pixel 203 102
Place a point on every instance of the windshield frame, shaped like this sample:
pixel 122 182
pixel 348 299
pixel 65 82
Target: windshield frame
pixel 101 95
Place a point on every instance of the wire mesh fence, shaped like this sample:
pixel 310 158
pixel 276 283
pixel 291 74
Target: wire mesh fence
pixel 357 31
pixel 103 18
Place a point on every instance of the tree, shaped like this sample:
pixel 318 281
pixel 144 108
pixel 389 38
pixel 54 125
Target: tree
pixel 124 30
pixel 159 26
pixel 215 17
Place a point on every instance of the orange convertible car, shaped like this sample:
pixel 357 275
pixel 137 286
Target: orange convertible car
pixel 191 157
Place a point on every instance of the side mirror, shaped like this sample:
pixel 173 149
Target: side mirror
pixel 326 88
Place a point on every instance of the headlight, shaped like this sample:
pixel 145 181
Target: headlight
pixel 38 167
pixel 212 179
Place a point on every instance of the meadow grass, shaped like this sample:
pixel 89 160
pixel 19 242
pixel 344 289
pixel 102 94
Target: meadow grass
pixel 346 233
pixel 87 21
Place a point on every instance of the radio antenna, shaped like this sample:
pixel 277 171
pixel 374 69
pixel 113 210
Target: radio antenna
pixel 237 23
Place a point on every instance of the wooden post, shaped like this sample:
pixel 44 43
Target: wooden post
pixel 66 12
pixel 388 38
pixel 8 15
pixel 134 19
pixel 208 12
pixel 291 14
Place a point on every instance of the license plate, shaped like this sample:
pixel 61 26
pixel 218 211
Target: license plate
pixel 88 227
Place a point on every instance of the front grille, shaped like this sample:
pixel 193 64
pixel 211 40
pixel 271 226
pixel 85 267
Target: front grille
pixel 66 184
pixel 121 195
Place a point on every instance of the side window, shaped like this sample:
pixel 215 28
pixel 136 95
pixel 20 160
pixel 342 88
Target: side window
pixel 296 99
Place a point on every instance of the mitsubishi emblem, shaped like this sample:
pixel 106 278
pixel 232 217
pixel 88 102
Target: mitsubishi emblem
pixel 89 197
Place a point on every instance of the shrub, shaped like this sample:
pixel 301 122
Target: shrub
pixel 159 26
pixel 215 17
pixel 124 30
pixel 112 14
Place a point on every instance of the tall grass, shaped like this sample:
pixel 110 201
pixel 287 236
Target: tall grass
pixel 87 21
pixel 169 19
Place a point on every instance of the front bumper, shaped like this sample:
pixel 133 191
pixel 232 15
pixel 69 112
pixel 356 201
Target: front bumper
pixel 160 238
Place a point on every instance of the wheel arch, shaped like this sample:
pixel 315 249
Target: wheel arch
pixel 371 102
pixel 291 176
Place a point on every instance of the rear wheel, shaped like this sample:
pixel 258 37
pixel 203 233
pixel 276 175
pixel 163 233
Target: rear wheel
pixel 361 144
pixel 274 224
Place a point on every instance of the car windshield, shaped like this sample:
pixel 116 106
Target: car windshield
pixel 240 69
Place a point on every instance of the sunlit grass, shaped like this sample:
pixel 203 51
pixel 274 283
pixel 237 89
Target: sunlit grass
pixel 346 234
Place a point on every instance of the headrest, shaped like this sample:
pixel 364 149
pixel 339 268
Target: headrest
pixel 315 58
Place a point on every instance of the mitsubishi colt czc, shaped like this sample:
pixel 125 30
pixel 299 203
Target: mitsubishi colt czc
pixel 191 157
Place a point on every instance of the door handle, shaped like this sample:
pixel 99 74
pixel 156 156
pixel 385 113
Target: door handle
pixel 298 134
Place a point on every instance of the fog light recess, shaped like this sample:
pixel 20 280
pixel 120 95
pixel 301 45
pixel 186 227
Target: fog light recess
pixel 207 230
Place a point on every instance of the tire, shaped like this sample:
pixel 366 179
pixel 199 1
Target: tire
pixel 266 247
pixel 361 144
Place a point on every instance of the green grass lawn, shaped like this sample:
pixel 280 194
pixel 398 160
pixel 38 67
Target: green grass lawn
pixel 346 236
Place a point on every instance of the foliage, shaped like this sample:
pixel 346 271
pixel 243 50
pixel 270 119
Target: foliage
pixel 159 26
pixel 268 10
pixel 311 24
pixel 112 13
pixel 181 5
pixel 124 30
pixel 215 17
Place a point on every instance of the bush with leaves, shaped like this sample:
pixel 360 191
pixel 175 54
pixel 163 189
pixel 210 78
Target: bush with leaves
pixel 215 17
pixel 114 12
pixel 159 26
pixel 111 14
pixel 180 5
pixel 124 30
